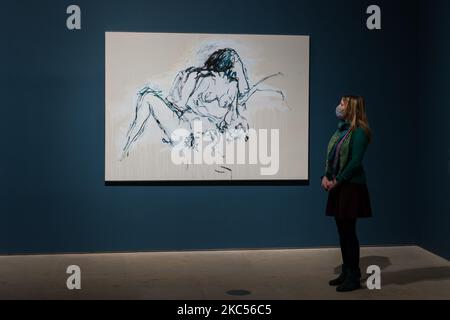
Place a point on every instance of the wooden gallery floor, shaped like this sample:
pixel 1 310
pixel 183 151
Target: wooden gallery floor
pixel 407 273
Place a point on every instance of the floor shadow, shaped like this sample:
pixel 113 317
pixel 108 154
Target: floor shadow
pixel 401 277
pixel 408 276
pixel 364 262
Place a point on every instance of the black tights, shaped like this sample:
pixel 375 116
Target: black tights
pixel 349 242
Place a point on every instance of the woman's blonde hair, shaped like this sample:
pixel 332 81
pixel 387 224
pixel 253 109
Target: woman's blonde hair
pixel 355 113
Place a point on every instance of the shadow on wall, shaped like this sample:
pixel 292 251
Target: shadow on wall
pixel 402 277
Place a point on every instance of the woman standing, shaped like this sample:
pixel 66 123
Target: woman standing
pixel 345 181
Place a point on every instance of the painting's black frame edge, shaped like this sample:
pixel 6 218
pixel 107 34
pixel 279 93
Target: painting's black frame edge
pixel 212 183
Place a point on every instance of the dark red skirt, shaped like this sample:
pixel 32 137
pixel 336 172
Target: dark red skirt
pixel 349 200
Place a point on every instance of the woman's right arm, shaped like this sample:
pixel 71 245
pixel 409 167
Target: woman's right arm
pixel 360 143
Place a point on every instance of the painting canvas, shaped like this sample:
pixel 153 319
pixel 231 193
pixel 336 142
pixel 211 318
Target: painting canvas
pixel 206 107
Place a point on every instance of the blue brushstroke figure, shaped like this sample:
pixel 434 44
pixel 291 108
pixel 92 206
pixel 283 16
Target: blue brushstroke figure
pixel 216 92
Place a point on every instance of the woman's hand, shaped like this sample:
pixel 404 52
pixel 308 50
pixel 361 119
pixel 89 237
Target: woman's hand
pixel 326 184
pixel 333 184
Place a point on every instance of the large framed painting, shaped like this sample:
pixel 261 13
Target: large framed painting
pixel 206 107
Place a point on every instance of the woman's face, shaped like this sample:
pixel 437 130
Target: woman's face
pixel 344 104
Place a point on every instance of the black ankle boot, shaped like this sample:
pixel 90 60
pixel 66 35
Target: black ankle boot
pixel 352 281
pixel 340 280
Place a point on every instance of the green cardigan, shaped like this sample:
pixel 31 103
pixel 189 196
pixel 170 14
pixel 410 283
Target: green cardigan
pixel 352 154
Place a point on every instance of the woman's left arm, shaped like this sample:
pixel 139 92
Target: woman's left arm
pixel 360 143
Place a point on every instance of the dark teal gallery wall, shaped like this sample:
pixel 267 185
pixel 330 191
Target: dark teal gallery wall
pixel 53 195
pixel 434 128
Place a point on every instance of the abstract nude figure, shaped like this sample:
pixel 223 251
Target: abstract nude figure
pixel 216 93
